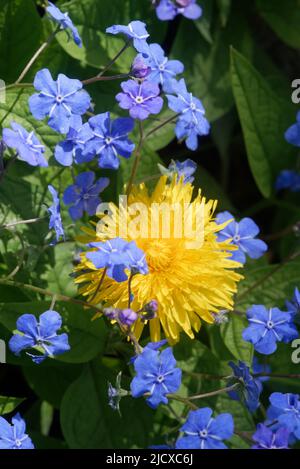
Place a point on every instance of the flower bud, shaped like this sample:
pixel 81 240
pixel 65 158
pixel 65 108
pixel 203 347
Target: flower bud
pixel 139 69
pixel 111 313
pixel 127 317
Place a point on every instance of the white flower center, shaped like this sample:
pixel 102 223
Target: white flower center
pixel 203 433
pixel 139 99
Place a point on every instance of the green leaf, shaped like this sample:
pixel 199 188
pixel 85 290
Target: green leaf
pixel 264 117
pixel 268 285
pixel 242 417
pixel 20 35
pixel 8 404
pixel 284 19
pixel 231 333
pixel 88 422
pixel 57 275
pixel 204 22
pixel 207 66
pixel 51 382
pixel 92 18
pixel 224 7
pixel 86 337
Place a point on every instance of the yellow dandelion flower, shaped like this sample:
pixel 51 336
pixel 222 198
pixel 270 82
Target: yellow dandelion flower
pixel 190 274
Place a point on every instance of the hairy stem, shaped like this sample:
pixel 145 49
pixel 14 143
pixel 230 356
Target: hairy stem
pixel 36 55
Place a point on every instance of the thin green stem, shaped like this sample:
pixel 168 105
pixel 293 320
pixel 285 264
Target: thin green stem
pixel 129 289
pixel 267 276
pixel 44 292
pixel 214 393
pixel 110 64
pixel 138 154
pixel 89 81
pixel 36 55
pixel 99 284
pixel 21 222
pixel 21 258
pixel 8 165
pixel 167 121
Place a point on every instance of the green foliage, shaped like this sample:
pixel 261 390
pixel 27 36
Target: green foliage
pixel 88 422
pixel 9 404
pixel 264 118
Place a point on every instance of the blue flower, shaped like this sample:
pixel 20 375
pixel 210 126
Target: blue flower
pixel 185 168
pixel 111 256
pixel 162 69
pixel 293 306
pixel 202 431
pixel 190 131
pixel 13 436
pixel 267 327
pixel 136 30
pixel 248 389
pixel 156 374
pixel 116 255
pixel 288 179
pixel 59 100
pixel 192 121
pixel 136 259
pixel 40 335
pixel 71 148
pixel 55 217
pixel 84 194
pixel 168 9
pixel 243 235
pixel 266 438
pixel 285 410
pixel 292 135
pixel 258 368
pixel 139 68
pixel 64 21
pixel 26 143
pixel 110 139
pixel 141 99
pixel 184 103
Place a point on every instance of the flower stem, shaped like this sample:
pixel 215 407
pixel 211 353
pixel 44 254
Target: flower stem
pixel 36 55
pixel 213 393
pixel 106 78
pixel 162 124
pixel 99 285
pixel 8 165
pixel 110 64
pixel 129 289
pixel 21 222
pixel 137 159
pixel 44 292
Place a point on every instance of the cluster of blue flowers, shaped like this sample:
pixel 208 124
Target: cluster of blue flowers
pixel 64 102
